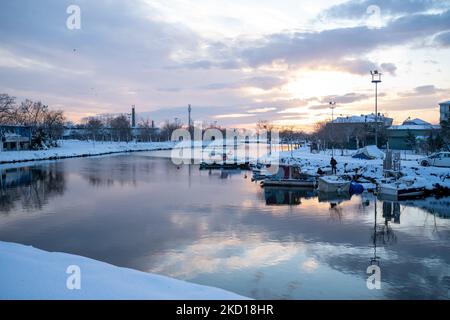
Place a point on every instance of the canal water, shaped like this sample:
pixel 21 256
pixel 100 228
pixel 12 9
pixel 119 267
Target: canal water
pixel 218 228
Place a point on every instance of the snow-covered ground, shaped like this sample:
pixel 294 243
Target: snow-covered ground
pixel 372 169
pixel 76 148
pixel 30 273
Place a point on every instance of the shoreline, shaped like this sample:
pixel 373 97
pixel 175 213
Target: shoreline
pixel 82 149
pixel 47 276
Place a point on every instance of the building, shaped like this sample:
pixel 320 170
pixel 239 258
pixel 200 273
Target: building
pixel 444 111
pixel 399 137
pixel 358 131
pixel 365 119
pixel 14 138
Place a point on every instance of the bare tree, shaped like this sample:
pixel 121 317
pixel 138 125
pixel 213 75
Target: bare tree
pixel 53 125
pixel 168 128
pixel 7 108
pixel 121 128
pixel 94 127
pixel 146 130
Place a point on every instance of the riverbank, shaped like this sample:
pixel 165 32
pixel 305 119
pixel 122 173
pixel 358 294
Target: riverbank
pixel 76 148
pixel 30 273
pixel 371 170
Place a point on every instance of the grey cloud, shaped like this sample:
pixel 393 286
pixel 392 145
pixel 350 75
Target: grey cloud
pixel 337 44
pixel 345 99
pixel 422 91
pixel 262 82
pixel 319 107
pixel 389 68
pixel 357 9
pixel 443 39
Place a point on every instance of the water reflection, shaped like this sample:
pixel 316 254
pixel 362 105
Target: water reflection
pixel 220 229
pixel 30 187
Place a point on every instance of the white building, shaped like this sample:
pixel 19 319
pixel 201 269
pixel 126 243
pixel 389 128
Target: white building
pixel 445 110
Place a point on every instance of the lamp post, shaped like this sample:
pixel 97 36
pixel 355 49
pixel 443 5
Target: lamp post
pixel 332 107
pixel 376 78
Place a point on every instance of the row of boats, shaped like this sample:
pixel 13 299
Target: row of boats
pixel 290 175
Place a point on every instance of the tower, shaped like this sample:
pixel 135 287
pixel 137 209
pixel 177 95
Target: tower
pixel 133 116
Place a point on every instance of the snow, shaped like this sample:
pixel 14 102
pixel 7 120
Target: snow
pixel 416 121
pixel 371 170
pixel 30 273
pixel 362 119
pixel 76 148
pixel 414 127
pixel 371 152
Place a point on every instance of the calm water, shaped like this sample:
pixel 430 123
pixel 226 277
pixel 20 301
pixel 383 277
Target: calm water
pixel 220 229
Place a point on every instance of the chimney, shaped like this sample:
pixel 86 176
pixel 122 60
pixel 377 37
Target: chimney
pixel 133 117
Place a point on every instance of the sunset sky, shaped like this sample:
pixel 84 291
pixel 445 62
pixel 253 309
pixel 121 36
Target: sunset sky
pixel 235 61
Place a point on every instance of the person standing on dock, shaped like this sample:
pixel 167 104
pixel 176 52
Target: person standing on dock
pixel 333 164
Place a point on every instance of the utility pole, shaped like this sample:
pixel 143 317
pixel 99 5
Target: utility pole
pixel 376 78
pixel 189 117
pixel 332 107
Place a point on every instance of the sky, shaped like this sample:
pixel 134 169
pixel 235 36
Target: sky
pixel 235 62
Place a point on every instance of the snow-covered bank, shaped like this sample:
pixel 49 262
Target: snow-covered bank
pixel 29 273
pixel 76 148
pixel 370 169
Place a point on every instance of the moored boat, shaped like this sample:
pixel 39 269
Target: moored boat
pixel 333 184
pixel 403 188
pixel 291 176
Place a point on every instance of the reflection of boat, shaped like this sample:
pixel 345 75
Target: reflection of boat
pixel 286 196
pixel 334 184
pixel 333 197
pixel 403 188
pixel 215 165
pixel 291 176
pixel 438 207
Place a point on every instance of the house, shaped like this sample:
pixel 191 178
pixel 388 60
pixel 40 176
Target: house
pixel 444 110
pixel 358 131
pixel 14 138
pixel 399 136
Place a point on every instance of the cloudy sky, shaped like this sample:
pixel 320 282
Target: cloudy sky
pixel 235 61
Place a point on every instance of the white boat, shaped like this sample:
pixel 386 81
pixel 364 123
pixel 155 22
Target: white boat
pixel 333 184
pixel 291 176
pixel 261 174
pixel 405 187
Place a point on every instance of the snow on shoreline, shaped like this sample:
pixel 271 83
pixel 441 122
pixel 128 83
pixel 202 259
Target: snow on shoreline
pixel 30 273
pixel 76 148
pixel 371 169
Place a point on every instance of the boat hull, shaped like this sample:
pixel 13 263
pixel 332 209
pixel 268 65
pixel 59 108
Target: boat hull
pixel 402 193
pixel 333 187
pixel 290 183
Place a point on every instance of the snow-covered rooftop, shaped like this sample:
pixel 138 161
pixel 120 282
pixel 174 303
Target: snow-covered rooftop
pixel 361 119
pixel 416 121
pixel 415 127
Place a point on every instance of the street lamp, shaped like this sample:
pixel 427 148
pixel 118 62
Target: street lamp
pixel 376 78
pixel 332 107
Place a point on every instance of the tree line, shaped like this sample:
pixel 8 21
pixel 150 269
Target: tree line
pixel 45 126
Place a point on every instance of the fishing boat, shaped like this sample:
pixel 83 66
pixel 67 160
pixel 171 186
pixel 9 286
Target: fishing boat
pixel 403 188
pixel 291 176
pixel 333 184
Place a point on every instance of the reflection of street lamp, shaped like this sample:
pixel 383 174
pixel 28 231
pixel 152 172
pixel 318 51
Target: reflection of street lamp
pixel 376 78
pixel 332 107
